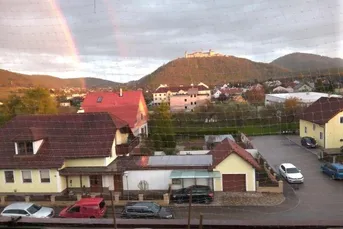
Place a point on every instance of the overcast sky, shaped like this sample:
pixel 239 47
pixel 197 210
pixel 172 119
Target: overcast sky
pixel 122 40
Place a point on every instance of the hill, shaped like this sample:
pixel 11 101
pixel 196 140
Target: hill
pixel 211 70
pixel 307 62
pixel 12 79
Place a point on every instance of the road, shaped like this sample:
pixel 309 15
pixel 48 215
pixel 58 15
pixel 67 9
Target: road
pixel 318 198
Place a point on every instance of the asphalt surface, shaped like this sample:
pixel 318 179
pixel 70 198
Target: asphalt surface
pixel 319 198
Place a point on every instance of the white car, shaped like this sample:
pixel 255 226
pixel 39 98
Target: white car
pixel 27 210
pixel 291 173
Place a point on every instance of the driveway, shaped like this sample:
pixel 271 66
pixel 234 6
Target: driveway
pixel 319 197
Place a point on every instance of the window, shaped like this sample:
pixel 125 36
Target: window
pixel 321 135
pixel 74 209
pixel 26 176
pixel 44 176
pixel 185 107
pixel 33 209
pixel 99 100
pixel 341 120
pixel 9 177
pixel 314 127
pixel 191 103
pixel 142 116
pixel 176 181
pixel 25 148
pixel 185 100
pixel 195 103
pixel 305 129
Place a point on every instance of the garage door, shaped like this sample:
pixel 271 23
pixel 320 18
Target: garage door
pixel 234 183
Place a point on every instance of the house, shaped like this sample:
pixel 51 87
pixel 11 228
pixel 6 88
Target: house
pixel 281 89
pixel 163 93
pixel 56 154
pixel 305 98
pixel 189 101
pixel 323 120
pixel 212 140
pixel 129 106
pixel 304 87
pixel 228 167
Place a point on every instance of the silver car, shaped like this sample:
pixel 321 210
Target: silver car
pixel 27 210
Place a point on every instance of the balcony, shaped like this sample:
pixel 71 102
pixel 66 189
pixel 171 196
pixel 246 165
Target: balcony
pixel 124 149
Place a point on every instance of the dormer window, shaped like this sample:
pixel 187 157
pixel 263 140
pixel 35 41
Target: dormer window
pixel 24 148
pixel 99 100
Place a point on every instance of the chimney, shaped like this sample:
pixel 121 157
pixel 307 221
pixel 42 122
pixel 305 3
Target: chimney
pixel 120 92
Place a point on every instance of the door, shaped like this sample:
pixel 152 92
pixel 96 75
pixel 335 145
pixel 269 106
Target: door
pixel 74 212
pixel 95 183
pixel 118 183
pixel 234 183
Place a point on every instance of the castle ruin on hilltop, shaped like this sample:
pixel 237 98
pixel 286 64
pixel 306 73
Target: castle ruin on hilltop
pixel 210 53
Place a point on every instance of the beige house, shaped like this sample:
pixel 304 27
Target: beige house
pixel 163 93
pixel 323 121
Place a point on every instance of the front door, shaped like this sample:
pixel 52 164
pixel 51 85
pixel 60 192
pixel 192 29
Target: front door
pixel 95 183
pixel 118 183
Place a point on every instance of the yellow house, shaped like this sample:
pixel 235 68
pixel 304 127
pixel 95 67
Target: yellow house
pixel 36 149
pixel 236 166
pixel 323 121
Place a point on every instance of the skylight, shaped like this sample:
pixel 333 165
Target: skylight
pixel 99 100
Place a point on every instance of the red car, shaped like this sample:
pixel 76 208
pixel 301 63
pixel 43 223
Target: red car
pixel 85 208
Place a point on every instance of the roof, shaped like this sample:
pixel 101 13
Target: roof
pixel 337 165
pixel 19 205
pixel 304 97
pixel 226 148
pixel 324 109
pixel 85 135
pixel 179 88
pixel 125 107
pixel 90 200
pixel 218 138
pixel 288 165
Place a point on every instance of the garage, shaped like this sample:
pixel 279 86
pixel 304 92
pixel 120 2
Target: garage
pixel 234 183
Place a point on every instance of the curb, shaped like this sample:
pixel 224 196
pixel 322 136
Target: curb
pixel 301 146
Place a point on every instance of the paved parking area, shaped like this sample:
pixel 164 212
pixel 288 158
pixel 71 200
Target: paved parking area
pixel 319 195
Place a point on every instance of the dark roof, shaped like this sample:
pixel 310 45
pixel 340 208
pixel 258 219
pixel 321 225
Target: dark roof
pixel 322 110
pixel 82 135
pixel 226 148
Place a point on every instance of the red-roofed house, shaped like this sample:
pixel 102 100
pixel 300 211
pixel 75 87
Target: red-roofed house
pixel 129 106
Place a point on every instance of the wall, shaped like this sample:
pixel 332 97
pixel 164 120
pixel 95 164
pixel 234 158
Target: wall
pixel 35 187
pixel 312 132
pixel 108 182
pixel 157 179
pixel 37 145
pixel 85 162
pixel 270 99
pixel 178 103
pixel 121 138
pixel 334 132
pixel 74 181
pixel 193 152
pixel 234 164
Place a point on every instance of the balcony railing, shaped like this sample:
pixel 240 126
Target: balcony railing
pixel 124 149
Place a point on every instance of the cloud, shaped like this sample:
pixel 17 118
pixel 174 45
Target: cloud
pixel 125 40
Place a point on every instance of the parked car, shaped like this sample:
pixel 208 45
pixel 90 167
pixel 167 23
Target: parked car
pixel 334 170
pixel 85 208
pixel 291 173
pixel 146 210
pixel 200 194
pixel 25 209
pixel 309 142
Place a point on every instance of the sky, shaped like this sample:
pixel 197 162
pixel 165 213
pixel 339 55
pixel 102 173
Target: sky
pixel 124 40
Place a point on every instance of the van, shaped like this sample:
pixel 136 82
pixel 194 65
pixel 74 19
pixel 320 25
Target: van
pixel 85 208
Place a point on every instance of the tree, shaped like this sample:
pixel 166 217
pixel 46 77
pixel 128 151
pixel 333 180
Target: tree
pixel 34 101
pixel 291 107
pixel 163 133
pixel 255 95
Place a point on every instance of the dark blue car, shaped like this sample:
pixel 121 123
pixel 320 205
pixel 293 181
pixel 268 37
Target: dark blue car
pixel 334 170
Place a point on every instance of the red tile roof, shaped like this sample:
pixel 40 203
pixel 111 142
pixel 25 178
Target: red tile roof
pixel 322 110
pixel 125 107
pixel 226 148
pixel 177 89
pixel 86 135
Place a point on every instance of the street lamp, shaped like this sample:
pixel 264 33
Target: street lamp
pixel 126 174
